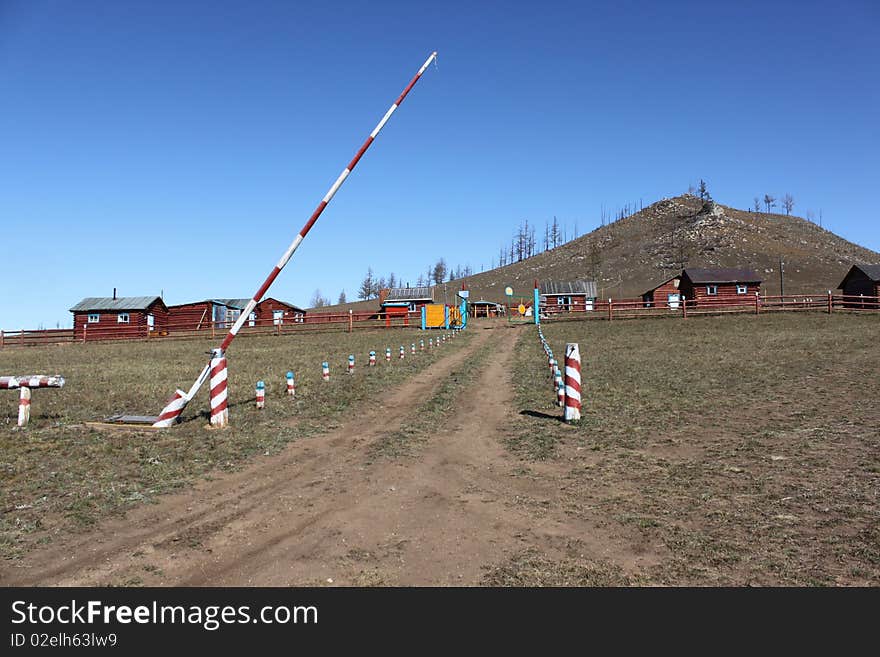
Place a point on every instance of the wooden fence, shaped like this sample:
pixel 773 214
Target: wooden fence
pixel 309 323
pixel 749 304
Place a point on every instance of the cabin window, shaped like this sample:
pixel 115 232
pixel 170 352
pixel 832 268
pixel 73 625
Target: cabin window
pixel 151 322
pixel 564 302
pixel 712 290
pixel 94 319
pixel 298 318
pixel 252 319
pixel 277 317
pixel 413 307
pixel 122 318
pixel 742 289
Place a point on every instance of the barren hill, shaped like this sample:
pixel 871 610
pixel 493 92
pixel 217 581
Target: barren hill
pixel 632 254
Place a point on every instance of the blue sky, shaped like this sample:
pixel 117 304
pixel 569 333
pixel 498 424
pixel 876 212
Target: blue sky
pixel 179 147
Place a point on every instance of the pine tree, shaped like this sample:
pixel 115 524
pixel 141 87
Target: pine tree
pixel 366 289
pixel 342 298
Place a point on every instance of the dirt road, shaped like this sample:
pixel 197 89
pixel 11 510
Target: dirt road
pixel 325 511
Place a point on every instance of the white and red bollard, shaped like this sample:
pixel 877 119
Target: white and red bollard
pixel 572 382
pixel 219 392
pixel 412 348
pixel 421 345
pixel 261 394
pixel 291 385
pixel 351 364
pixel 402 352
pixel 388 354
pixel 560 388
pixel 325 371
pixel 24 407
pixel 372 359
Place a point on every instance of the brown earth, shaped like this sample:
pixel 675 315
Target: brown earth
pixel 330 510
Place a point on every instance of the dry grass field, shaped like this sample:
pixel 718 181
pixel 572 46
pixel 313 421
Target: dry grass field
pixel 727 450
pixel 61 474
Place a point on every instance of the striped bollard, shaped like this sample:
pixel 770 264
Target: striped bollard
pixel 552 363
pixel 24 406
pixel 219 392
pixel 372 359
pixel 172 410
pixel 430 343
pixel 325 371
pixel 388 354
pixel 412 348
pixel 572 382
pixel 261 394
pixel 402 352
pixel 421 345
pixel 351 364
pixel 291 385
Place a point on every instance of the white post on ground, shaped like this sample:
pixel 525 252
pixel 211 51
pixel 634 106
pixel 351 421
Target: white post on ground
pixel 388 354
pixel 261 394
pixel 372 359
pixel 291 385
pixel 24 406
pixel 351 364
pixel 325 371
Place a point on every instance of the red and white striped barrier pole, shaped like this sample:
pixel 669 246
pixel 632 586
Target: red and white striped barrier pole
pixel 325 371
pixel 218 384
pixel 31 381
pixel 24 406
pixel 572 382
pixel 285 258
pixel 261 394
pixel 388 354
pixel 172 410
pixel 351 364
pixel 372 359
pixel 291 385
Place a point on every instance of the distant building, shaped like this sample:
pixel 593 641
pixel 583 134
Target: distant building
pixel 107 318
pixel 200 315
pixel 275 312
pixel 719 286
pixel 572 296
pixel 861 280
pixel 483 308
pixel 667 293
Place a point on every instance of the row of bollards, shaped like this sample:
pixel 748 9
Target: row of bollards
pixel 567 386
pixel 291 383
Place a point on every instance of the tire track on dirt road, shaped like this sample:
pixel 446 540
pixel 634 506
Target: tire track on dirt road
pixel 181 535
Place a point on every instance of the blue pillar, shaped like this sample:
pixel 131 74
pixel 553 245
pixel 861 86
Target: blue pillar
pixel 424 317
pixel 464 313
pixel 446 317
pixel 536 309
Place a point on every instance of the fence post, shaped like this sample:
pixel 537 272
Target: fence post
pixel 684 308
pixel 350 320
pixel 572 383
pixel 757 303
pixel 218 383
pixel 1 338
pixel 830 302
pixel 610 309
pixel 24 406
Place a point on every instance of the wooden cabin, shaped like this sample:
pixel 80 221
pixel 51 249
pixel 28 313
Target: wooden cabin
pixel 275 312
pixel 719 286
pixel 110 318
pixel 571 296
pixel 861 280
pixel 199 315
pixel 412 297
pixel 666 294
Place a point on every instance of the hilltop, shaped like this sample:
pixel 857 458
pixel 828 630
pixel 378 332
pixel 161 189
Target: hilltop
pixel 630 255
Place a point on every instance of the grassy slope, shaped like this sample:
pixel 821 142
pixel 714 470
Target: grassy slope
pixel 60 473
pixel 744 447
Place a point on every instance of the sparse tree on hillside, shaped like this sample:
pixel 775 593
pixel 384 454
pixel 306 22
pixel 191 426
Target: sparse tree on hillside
pixel 318 301
pixel 342 298
pixel 554 233
pixel 421 281
pixel 380 285
pixel 367 285
pixel 595 261
pixel 788 203
pixel 757 204
pixel 451 275
pixel 703 190
pixel 392 280
pixel 769 201
pixel 439 272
